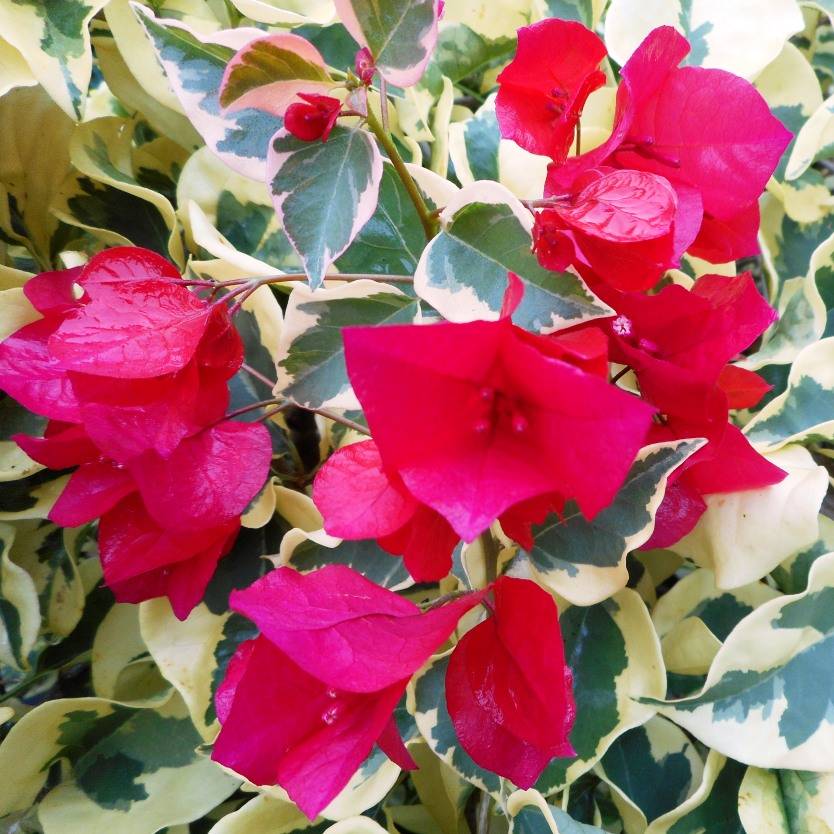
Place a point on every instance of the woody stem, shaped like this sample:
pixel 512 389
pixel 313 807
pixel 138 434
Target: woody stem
pixel 490 548
pixel 429 224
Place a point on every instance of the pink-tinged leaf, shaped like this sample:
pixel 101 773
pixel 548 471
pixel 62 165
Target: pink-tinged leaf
pixel 345 630
pixel 209 479
pixel 30 374
pixel 357 499
pixel 62 446
pixel 391 743
pixel 510 696
pixel 744 389
pixel 141 560
pixel 505 422
pixel 542 91
pixel 283 726
pixel 127 263
pixel 426 543
pixel 400 36
pixel 622 207
pixel 52 293
pixel 132 330
pixel 324 193
pixel 194 64
pixel 93 489
pixel 269 72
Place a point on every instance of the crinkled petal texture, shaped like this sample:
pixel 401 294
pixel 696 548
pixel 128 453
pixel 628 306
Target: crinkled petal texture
pixel 502 423
pixel 33 376
pixel 544 88
pixel 629 227
pixel 344 629
pixel 304 703
pixel 141 560
pixel 509 696
pixel 210 478
pixel 93 489
pixel 131 329
pixel 284 726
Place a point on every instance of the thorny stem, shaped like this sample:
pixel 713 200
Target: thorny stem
pixel 490 547
pixel 429 224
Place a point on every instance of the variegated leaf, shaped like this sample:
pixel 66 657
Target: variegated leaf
pixel 651 770
pixel 584 561
pixel 20 615
pixel 54 40
pixel 194 65
pixel 311 365
pixel 530 813
pixel 767 700
pixel 324 193
pixel 400 35
pixel 720 33
pixel 743 536
pixel 486 234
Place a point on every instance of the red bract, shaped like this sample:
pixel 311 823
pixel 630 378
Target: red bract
pixel 135 368
pixel 364 66
pixel 142 560
pixel 503 423
pixel 679 343
pixel 629 227
pixel 304 703
pixel 359 500
pixel 313 118
pixel 543 90
pixel 204 481
pixel 508 689
pixel 704 129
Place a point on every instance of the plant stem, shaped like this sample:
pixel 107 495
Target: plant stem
pixel 429 224
pixel 337 418
pixel 490 547
pixel 482 814
pixel 442 600
pixel 252 406
pixel 84 657
pixel 620 374
pixel 271 383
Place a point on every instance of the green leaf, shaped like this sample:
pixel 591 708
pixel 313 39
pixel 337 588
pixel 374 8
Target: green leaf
pixel 122 765
pixel 768 697
pixel 400 35
pixel 614 655
pixel 530 814
pixel 55 42
pixel 461 52
pixel 805 411
pixel 324 193
pixel 194 65
pixel 20 615
pixel 391 242
pixel 486 234
pixel 656 755
pixel 712 808
pixel 311 364
pixel 584 561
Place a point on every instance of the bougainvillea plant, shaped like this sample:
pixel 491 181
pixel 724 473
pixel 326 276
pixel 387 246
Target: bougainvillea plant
pixel 417 417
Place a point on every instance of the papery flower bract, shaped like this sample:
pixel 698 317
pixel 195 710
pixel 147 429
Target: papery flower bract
pixel 359 500
pixel 705 129
pixel 508 689
pixel 313 118
pixel 304 703
pixel 141 560
pixel 629 227
pixel 502 423
pixel 542 91
pixel 364 66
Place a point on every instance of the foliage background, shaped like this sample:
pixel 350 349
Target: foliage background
pixel 704 676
